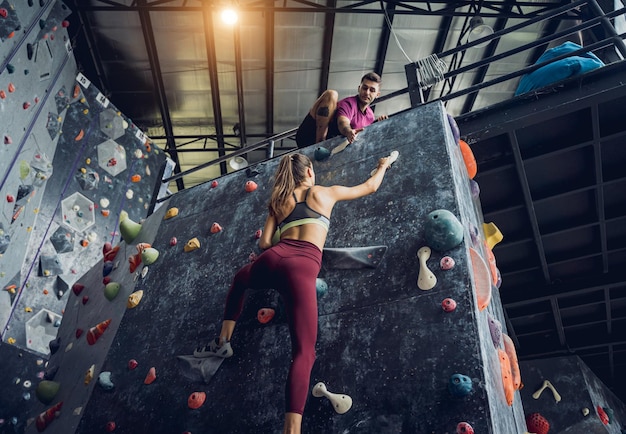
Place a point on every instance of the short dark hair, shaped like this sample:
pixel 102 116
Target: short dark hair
pixel 372 76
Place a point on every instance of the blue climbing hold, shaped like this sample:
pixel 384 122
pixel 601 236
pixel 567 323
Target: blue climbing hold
pixel 321 287
pixel 460 385
pixel 321 153
pixel 107 268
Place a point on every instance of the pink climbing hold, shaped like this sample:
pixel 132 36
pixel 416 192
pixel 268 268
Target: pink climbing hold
pixel 258 234
pixel 110 427
pixel 250 186
pixel 448 305
pixel 196 400
pixel 132 364
pixel 173 241
pixel 464 428
pixel 265 315
pixel 8 140
pixel 151 376
pixel 85 299
pixel 26 105
pixel 447 263
pixel 215 228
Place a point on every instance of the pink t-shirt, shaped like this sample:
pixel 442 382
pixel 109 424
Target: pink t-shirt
pixel 349 108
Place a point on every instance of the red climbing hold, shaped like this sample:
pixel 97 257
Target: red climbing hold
pixel 173 241
pixel 79 333
pixel 4 13
pixel 151 376
pixel 604 418
pixel 26 105
pixel 65 23
pixel 215 228
pixel 106 247
pixel 110 427
pixel 111 254
pixel 132 364
pixel 265 315
pixel 135 261
pixel 106 280
pixel 537 424
pixel 10 198
pixel 77 288
pixel 44 419
pixel 196 399
pixel 448 305
pixel 250 186
pixel 258 234
pixel 214 184
pixel 85 299
pixel 464 428
pixel 95 332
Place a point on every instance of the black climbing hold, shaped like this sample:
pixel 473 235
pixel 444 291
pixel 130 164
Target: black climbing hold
pixel 54 345
pixel 10 68
pixel 50 373
pixel 30 51
pixel 30 3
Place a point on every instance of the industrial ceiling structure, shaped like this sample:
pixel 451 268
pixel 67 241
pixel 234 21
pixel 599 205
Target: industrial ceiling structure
pixel 204 91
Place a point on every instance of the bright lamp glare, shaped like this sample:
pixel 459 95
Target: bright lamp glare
pixel 229 16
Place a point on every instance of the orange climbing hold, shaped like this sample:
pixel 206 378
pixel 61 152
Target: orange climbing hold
pixel 76 91
pixel 111 254
pixel 80 135
pixel 3 94
pixel 11 88
pixel 196 399
pixel 135 261
pixel 44 419
pixel 507 378
pixel 135 178
pixel 468 159
pixel 142 246
pixel 95 332
pixel 151 376
pixel 493 269
pixel 265 315
pixel 509 347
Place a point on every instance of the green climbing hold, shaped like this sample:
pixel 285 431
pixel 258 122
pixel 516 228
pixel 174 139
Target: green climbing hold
pixel 24 169
pixel 47 390
pixel 129 230
pixel 111 290
pixel 149 255
pixel 442 230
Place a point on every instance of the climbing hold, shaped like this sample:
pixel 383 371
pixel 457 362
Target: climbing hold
pixel 26 105
pixel 54 345
pixel 96 331
pixel 144 271
pixel 585 411
pixel 250 186
pixel 111 290
pixel 134 299
pixel 442 230
pixel 474 189
pixel 214 184
pixel 609 412
pixel 132 364
pixel 11 88
pixel 493 269
pixel 464 428
pixel 192 245
pixel 173 241
pixel 105 212
pixel 215 228
pixel 341 403
pixel 80 135
pixel 65 23
pixel 89 374
pixel 258 234
pixel 537 424
pixel 456 133
pixel 8 140
pixel 4 13
pixel 509 347
pixel 426 279
pixel 107 268
pixel 547 385
pixel 134 261
pixel 79 333
pixel 448 305
pixel 507 378
pixel 111 254
pixel 495 329
pixel 265 315
pixel 172 212
pixel 149 255
pixel 135 178
pixel 10 198
pixel 482 281
pixel 321 287
pixel 151 376
pixel 106 247
pixel 321 153
pixel 604 418
pixel 446 263
pixel 129 230
pixel 468 159
pixel 3 94
pixel 46 391
pixel 45 418
pixel 110 426
pixel 460 385
pixel 85 299
pixel 104 380
pixel 28 309
pixel 196 399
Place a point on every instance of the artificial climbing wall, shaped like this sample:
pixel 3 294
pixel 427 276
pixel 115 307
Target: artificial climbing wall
pixel 573 401
pixel 69 163
pixel 382 340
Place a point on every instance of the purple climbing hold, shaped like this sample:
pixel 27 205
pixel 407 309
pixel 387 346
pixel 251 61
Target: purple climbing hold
pixel 495 328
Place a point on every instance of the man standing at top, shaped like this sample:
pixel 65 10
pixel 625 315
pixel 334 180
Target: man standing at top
pixel 329 118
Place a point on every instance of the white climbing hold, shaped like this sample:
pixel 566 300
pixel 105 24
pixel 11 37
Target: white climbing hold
pixel 341 403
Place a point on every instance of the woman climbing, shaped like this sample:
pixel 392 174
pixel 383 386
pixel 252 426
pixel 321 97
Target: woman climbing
pixel 294 236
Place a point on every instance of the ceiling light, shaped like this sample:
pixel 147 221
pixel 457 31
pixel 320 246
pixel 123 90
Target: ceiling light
pixel 478 29
pixel 229 16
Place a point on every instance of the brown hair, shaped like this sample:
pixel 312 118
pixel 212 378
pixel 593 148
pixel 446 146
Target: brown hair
pixel 372 76
pixel 291 172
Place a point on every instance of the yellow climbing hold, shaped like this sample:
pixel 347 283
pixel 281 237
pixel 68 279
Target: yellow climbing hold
pixel 134 299
pixel 11 341
pixel 83 170
pixel 492 234
pixel 85 111
pixel 89 374
pixel 46 273
pixel 24 169
pixel 29 229
pixel 172 212
pixel 192 245
pixel 88 161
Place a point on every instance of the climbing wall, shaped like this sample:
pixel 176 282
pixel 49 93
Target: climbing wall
pixel 408 364
pixel 69 163
pixel 563 394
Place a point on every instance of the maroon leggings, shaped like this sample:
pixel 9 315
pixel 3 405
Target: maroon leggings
pixel 290 267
